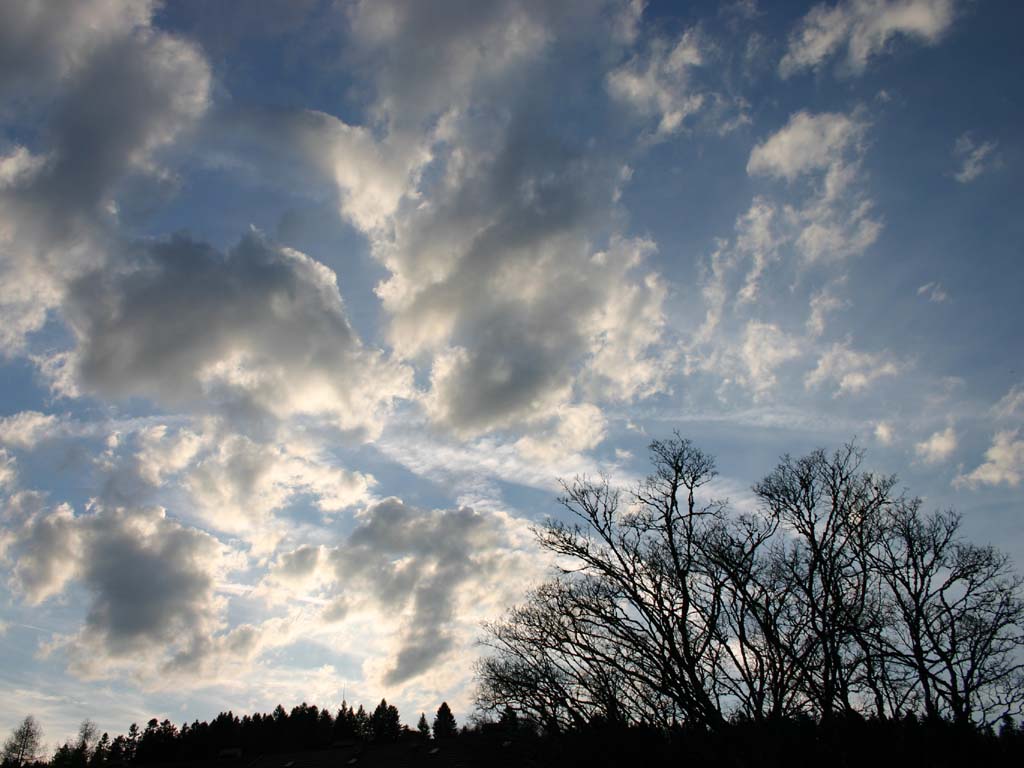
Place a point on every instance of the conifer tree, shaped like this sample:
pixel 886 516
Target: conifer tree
pixel 385 723
pixel 445 726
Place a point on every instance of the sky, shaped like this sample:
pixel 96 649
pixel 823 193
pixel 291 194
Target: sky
pixel 305 309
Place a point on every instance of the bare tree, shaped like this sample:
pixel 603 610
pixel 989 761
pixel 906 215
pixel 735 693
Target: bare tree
pixel 766 646
pixel 831 512
pixel 561 662
pixel 24 743
pixel 959 616
pixel 836 597
pixel 637 617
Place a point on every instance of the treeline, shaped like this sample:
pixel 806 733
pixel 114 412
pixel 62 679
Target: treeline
pixel 305 728
pixel 836 597
pixel 512 741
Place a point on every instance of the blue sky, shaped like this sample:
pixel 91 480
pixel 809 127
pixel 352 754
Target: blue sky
pixel 306 307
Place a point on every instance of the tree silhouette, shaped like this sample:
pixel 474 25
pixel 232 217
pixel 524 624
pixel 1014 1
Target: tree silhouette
pixel 361 721
pixel 423 727
pixel 385 724
pixel 958 620
pixel 509 721
pixel 835 598
pixel 23 745
pixel 630 635
pixel 445 726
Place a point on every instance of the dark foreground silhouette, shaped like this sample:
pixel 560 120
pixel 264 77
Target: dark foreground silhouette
pixel 306 739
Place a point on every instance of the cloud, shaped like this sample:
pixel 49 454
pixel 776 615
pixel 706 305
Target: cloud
pixel 864 28
pixel 575 428
pixel 836 220
pixel 115 92
pixel 420 565
pixel 238 485
pixel 298 564
pixel 45 42
pixel 830 219
pixel 472 468
pixel 508 276
pixel 372 176
pixel 427 60
pixel 258 332
pixel 626 27
pixel 765 348
pixel 934 292
pixel 824 302
pixel 8 471
pixel 229 482
pixel 1011 405
pixel 974 159
pixel 807 143
pixel 758 239
pixel 937 448
pixel 851 371
pixel 884 433
pixel 1004 463
pixel 46 545
pixel 118 92
pixel 1004 459
pixel 150 582
pixel 659 86
pixel 27 429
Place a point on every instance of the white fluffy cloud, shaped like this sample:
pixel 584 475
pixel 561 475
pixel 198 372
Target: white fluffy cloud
pixel 849 370
pixel 8 472
pixel 808 142
pixel 659 86
pixel 828 218
pixel 238 486
pixel 884 433
pixel 863 29
pixel 496 278
pixel 1004 458
pixel 836 220
pixel 938 447
pixel 372 177
pixel 765 348
pixel 26 429
pixel 1004 462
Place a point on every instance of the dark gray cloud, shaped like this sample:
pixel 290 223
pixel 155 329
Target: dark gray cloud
pixel 299 563
pixel 113 92
pixel 42 42
pixel 150 581
pixel 259 330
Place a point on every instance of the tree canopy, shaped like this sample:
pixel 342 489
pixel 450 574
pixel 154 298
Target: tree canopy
pixel 837 596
